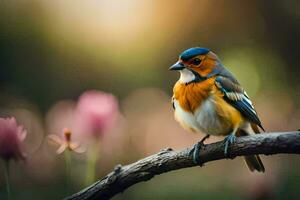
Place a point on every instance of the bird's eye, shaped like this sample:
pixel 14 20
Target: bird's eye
pixel 196 61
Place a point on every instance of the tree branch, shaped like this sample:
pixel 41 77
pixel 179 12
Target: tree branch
pixel 167 160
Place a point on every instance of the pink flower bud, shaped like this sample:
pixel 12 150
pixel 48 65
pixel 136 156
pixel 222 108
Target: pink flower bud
pixel 96 111
pixel 11 138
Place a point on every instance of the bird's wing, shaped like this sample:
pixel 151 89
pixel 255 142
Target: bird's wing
pixel 235 95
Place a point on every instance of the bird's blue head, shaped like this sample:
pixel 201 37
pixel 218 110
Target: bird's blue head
pixel 195 64
pixel 192 52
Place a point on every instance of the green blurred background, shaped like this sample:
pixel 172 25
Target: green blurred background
pixel 53 51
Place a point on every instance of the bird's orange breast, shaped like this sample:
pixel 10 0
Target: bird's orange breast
pixel 190 96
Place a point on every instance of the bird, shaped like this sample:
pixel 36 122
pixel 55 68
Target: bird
pixel 208 98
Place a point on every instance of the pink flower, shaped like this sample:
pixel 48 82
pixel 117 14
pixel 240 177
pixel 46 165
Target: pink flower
pixel 66 142
pixel 11 138
pixel 96 112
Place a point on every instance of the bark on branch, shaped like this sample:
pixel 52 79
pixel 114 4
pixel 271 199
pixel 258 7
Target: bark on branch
pixel 167 160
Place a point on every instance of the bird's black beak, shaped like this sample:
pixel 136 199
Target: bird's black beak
pixel 177 66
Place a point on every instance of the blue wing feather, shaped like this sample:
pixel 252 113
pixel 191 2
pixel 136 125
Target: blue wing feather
pixel 241 102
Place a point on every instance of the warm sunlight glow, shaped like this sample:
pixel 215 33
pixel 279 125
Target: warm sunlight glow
pixel 115 21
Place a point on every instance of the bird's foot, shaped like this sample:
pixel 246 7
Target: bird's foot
pixel 195 152
pixel 230 139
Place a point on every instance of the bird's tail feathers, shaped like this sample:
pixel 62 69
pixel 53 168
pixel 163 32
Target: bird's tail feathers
pixel 253 162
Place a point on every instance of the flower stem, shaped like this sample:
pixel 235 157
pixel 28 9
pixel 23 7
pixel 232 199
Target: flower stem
pixel 91 164
pixel 7 179
pixel 68 170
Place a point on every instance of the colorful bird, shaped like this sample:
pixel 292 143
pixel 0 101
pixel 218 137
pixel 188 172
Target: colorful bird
pixel 207 98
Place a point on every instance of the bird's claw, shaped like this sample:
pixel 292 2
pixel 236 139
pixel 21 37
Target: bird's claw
pixel 230 139
pixel 195 153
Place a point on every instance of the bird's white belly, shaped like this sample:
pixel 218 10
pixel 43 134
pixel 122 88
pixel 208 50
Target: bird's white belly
pixel 205 119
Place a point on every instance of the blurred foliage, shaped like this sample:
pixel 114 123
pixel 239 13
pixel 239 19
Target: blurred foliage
pixel 55 50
